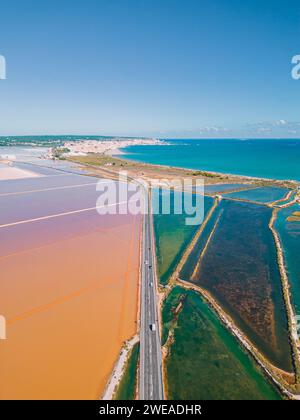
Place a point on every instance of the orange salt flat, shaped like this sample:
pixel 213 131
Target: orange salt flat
pixel 70 300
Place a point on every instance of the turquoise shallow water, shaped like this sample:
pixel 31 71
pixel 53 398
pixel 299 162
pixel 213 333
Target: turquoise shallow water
pixel 289 233
pixel 172 233
pixel 275 159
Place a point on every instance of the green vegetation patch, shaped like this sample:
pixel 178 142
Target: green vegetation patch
pixel 169 313
pixel 206 361
pixel 58 152
pixel 100 159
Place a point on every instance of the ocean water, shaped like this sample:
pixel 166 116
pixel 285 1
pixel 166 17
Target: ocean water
pixel 260 195
pixel 275 159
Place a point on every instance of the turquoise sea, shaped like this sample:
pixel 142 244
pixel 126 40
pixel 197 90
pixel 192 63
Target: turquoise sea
pixel 275 159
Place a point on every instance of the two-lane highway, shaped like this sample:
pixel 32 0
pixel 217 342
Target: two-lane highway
pixel 151 385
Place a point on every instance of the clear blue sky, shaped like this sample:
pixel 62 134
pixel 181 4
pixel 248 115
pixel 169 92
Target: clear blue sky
pixel 170 68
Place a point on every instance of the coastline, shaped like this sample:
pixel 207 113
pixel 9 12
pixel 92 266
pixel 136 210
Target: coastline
pixel 254 160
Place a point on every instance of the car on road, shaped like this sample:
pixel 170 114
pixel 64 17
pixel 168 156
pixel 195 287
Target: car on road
pixel 152 327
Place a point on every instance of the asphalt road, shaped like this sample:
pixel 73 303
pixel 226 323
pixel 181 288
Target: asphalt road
pixel 151 385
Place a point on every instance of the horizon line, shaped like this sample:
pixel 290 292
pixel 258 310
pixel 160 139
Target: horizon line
pixel 146 137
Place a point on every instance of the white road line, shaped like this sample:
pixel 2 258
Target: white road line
pixel 50 189
pixel 52 216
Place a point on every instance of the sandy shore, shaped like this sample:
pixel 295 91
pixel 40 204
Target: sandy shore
pixel 119 368
pixel 114 152
pixel 242 178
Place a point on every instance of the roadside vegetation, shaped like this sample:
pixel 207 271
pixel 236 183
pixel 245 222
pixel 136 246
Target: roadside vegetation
pixel 59 152
pixel 127 386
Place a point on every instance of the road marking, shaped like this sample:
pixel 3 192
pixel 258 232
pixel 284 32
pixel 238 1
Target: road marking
pixel 50 189
pixel 52 216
